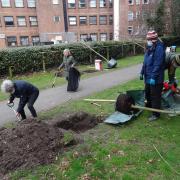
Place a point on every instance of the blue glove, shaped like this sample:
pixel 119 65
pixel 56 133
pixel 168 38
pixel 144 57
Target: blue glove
pixel 141 77
pixel 152 82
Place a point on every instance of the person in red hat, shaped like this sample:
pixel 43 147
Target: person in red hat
pixel 153 72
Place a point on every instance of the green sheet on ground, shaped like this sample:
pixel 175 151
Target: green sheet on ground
pixel 171 103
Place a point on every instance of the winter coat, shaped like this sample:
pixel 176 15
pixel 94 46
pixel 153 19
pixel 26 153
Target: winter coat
pixel 23 90
pixel 154 63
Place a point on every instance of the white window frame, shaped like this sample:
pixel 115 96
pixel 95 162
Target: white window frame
pixel 5 3
pixel 72 20
pixel 83 37
pixel 82 18
pixel 19 3
pixel 143 1
pixel 31 3
pixel 94 36
pixel 100 20
pixel 102 3
pixel 21 20
pixel 93 20
pixel 82 4
pixel 131 29
pixel 10 17
pixel 55 2
pixel 92 3
pixel 11 43
pixel 103 36
pixel 33 20
pixel 130 16
pixel 71 4
pixel 26 40
pixel 138 2
pixel 131 3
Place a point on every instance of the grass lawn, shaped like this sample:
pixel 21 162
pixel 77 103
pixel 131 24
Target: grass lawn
pixel 115 152
pixel 44 80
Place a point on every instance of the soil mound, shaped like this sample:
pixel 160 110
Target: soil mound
pixel 78 122
pixel 29 144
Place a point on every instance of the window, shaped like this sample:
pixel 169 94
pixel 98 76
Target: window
pixel 11 41
pixel 110 36
pixel 71 3
pixel 102 20
pixel 5 3
pixel 137 14
pixel 130 16
pixel 24 40
pixel 83 37
pixel 94 36
pixel 102 3
pixel 72 21
pixel 92 3
pixel 130 30
pixel 110 19
pixel 19 3
pixel 35 40
pixel 137 1
pixel 21 21
pixel 103 37
pixel 31 3
pixel 145 1
pixel 9 21
pixel 110 3
pixel 56 19
pixel 82 20
pixel 55 1
pixel 82 3
pixel 130 2
pixel 33 21
pixel 93 20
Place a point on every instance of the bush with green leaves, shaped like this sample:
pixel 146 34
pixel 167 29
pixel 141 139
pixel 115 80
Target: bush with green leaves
pixel 29 59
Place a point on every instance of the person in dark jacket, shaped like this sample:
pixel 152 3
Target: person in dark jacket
pixel 68 62
pixel 153 72
pixel 27 93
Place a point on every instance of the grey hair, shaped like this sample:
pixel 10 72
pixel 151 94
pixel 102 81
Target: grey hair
pixel 7 86
pixel 66 50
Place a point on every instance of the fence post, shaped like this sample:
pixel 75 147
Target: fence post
pixel 134 49
pixel 43 61
pixel 122 49
pixel 10 72
pixel 90 56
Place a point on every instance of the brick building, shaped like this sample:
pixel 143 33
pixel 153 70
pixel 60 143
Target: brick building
pixel 28 22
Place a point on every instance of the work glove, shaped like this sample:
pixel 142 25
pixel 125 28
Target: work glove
pixel 141 77
pixel 152 82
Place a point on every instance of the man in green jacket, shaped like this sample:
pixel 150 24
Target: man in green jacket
pixel 68 62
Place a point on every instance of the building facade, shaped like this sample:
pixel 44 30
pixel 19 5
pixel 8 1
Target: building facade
pixel 30 22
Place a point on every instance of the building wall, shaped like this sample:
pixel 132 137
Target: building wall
pixel 17 30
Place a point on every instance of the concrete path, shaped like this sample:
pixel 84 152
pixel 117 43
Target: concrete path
pixel 55 96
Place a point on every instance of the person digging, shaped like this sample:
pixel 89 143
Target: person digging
pixel 26 92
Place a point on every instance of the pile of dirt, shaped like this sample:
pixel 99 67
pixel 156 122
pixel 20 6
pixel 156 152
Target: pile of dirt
pixel 33 143
pixel 78 122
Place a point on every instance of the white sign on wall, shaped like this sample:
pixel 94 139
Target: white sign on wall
pixel 2 36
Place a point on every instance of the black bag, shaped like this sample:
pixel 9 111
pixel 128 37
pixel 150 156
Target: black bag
pixel 73 79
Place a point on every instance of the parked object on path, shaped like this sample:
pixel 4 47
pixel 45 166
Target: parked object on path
pixel 112 63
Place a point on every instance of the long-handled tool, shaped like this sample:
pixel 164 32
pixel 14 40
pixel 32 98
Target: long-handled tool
pixel 55 77
pixel 112 63
pixel 126 104
pixel 11 105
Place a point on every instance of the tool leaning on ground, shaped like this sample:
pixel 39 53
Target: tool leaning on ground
pixel 55 77
pixel 112 63
pixel 11 105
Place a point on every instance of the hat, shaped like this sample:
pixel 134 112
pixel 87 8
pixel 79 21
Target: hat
pixel 152 35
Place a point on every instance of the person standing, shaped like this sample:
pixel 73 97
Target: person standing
pixel 26 92
pixel 153 72
pixel 68 62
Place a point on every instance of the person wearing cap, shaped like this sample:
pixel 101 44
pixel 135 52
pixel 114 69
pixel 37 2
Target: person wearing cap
pixel 172 61
pixel 26 92
pixel 68 62
pixel 153 72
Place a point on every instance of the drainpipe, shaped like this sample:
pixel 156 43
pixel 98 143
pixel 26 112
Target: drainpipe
pixel 116 19
pixel 65 16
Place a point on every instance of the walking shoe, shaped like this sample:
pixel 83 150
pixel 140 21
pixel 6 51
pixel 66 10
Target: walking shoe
pixel 153 118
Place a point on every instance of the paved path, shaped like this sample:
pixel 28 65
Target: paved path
pixel 55 96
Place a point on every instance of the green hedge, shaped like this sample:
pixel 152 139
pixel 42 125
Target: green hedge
pixel 30 59
pixel 171 40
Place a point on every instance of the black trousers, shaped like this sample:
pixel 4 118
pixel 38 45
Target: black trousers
pixel 153 96
pixel 30 102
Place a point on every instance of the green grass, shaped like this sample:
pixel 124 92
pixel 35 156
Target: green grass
pixel 115 152
pixel 44 80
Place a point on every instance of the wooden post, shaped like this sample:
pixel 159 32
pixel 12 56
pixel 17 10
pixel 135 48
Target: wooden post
pixel 122 50
pixel 43 61
pixel 134 49
pixel 107 52
pixel 10 72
